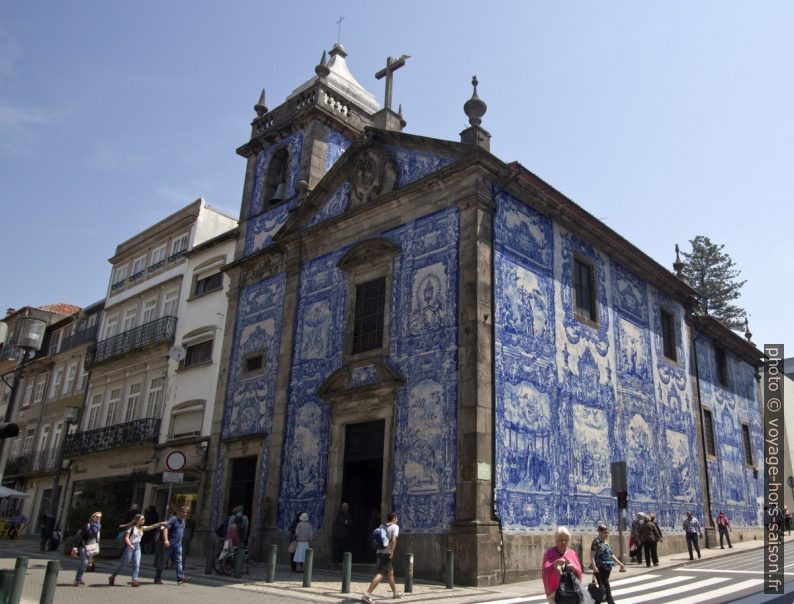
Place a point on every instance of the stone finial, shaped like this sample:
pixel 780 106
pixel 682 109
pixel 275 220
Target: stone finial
pixel 302 189
pixel 678 266
pixel 747 335
pixel 322 70
pixel 260 105
pixel 475 108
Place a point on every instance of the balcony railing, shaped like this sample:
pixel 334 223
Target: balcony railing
pixel 135 432
pixel 79 337
pixel 32 463
pixel 159 330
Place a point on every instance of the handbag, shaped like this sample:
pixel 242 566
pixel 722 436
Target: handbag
pixel 92 549
pixel 596 591
pixel 293 546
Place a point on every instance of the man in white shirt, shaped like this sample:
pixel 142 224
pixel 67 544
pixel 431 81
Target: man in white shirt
pixel 385 555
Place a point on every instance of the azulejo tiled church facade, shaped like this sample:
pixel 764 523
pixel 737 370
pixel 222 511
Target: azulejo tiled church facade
pixel 417 325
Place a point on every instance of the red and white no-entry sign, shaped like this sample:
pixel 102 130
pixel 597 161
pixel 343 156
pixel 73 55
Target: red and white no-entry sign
pixel 175 461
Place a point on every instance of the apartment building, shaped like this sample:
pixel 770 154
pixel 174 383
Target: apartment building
pixel 117 457
pixel 51 379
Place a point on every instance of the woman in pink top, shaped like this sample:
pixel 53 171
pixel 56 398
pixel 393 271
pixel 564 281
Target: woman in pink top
pixel 556 559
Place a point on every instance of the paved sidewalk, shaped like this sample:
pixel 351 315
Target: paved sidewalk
pixel 326 582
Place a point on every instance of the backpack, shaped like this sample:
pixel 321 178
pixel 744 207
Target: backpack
pixel 222 529
pixel 380 538
pixel 568 592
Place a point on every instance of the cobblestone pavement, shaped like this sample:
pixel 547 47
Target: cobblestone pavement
pixel 252 588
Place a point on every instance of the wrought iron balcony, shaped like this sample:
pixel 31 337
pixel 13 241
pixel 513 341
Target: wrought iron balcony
pixel 32 463
pixel 154 332
pixel 136 432
pixel 79 337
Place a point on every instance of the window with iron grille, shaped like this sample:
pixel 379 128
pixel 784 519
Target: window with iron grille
pixel 668 335
pixel 748 447
pixel 368 315
pixel 708 428
pixel 584 291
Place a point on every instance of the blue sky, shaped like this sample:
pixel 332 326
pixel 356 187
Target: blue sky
pixel 664 119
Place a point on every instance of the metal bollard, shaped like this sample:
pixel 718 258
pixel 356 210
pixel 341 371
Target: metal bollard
pixel 239 558
pixel 449 571
pixel 409 573
pixel 6 582
pixel 308 562
pixel 347 571
pixel 50 581
pixel 20 570
pixel 271 568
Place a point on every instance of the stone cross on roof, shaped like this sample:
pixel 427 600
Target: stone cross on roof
pixel 392 65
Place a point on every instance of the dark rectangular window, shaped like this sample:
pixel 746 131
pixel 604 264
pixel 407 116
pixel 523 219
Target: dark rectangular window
pixel 748 448
pixel 208 284
pixel 198 353
pixel 253 364
pixel 708 429
pixel 584 291
pixel 722 366
pixel 368 318
pixel 668 335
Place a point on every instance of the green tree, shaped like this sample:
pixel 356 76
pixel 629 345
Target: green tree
pixel 714 274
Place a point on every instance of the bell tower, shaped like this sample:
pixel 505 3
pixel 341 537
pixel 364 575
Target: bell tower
pixel 299 140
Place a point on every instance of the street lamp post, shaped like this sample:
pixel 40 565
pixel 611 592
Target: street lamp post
pixel 71 416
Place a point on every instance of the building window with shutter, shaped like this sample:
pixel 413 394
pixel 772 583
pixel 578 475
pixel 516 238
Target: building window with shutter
pixel 186 420
pixel 668 335
pixel 708 430
pixel 748 447
pixel 721 360
pixel 584 290
pixel 199 353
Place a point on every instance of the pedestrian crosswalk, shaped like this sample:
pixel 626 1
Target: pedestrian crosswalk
pixel 650 588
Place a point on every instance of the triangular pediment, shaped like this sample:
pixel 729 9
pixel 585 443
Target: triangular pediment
pixel 376 165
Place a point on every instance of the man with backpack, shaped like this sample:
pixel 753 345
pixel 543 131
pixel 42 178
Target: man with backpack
pixel 384 536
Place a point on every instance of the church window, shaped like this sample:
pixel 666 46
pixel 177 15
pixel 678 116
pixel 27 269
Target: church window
pixel 369 267
pixel 708 429
pixel 276 180
pixel 253 364
pixel 722 366
pixel 368 318
pixel 668 335
pixel 584 291
pixel 748 449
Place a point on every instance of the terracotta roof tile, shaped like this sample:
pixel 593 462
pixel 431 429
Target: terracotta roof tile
pixel 62 308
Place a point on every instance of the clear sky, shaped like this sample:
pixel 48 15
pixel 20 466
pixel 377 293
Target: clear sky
pixel 666 120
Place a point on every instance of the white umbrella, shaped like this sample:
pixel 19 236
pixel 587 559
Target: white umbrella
pixel 6 492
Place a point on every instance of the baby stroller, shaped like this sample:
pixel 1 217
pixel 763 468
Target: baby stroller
pixel 224 563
